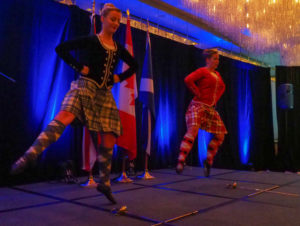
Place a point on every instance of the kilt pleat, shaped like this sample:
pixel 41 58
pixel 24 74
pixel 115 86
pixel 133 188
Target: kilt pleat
pixel 93 107
pixel 204 117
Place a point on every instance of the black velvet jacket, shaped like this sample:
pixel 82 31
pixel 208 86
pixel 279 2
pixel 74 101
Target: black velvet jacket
pixel 101 61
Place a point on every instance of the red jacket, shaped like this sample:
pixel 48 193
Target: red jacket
pixel 208 87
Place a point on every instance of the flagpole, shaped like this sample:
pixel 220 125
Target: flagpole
pixel 123 178
pixel 93 7
pixel 146 175
pixel 91 183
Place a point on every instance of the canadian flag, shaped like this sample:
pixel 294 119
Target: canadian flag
pixel 127 95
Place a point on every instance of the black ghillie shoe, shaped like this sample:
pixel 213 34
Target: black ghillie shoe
pixel 28 159
pixel 207 167
pixel 180 167
pixel 106 190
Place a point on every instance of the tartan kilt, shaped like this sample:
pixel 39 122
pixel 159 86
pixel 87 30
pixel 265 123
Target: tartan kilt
pixel 93 107
pixel 204 117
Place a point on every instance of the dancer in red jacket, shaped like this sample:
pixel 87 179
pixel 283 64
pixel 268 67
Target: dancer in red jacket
pixel 207 86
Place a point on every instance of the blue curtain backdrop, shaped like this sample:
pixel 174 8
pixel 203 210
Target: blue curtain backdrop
pixel 29 32
pixel 246 110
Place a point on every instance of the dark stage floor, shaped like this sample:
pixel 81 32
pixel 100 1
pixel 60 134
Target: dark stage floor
pixel 261 198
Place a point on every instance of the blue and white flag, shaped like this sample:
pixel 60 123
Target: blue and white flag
pixel 146 96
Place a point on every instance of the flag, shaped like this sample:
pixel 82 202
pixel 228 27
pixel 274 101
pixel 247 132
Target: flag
pixel 127 96
pixel 89 153
pixel 146 96
pixel 93 20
